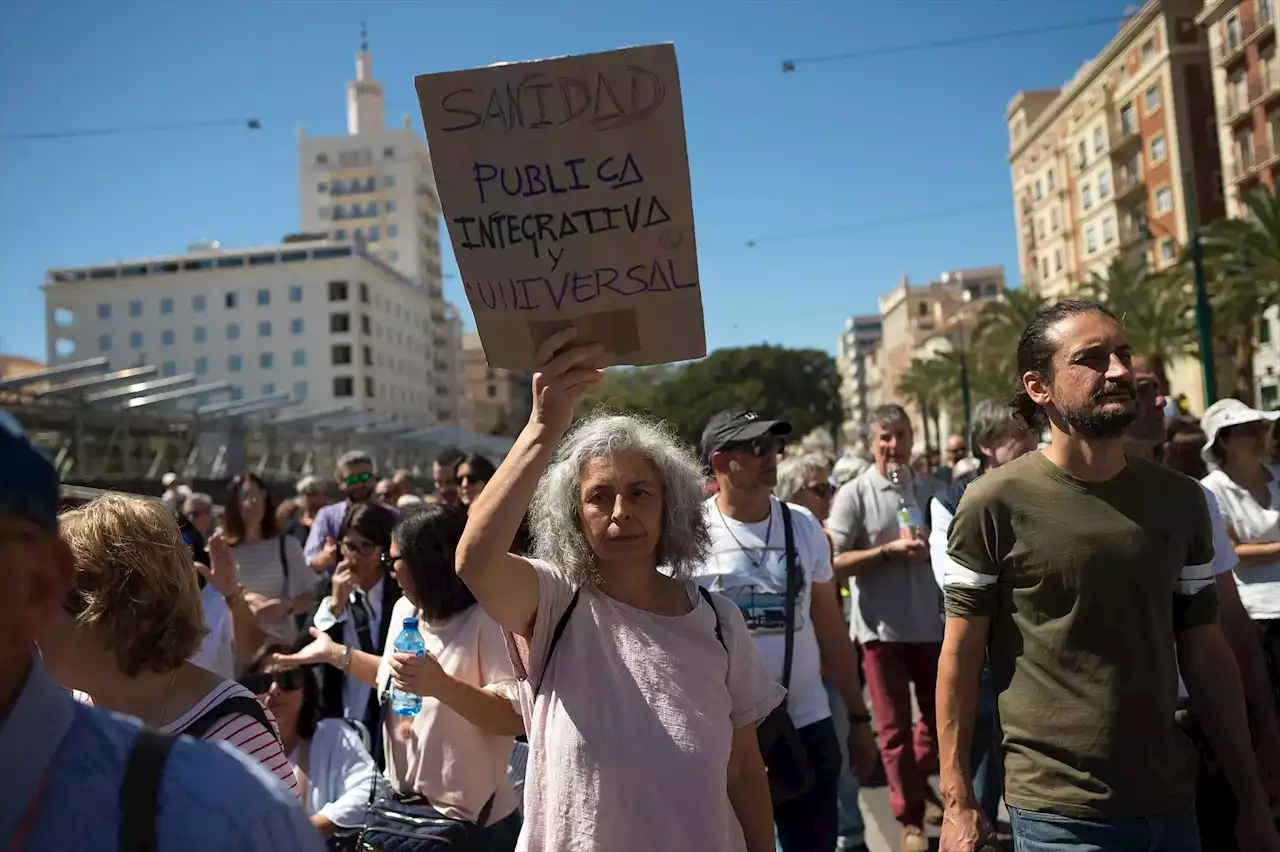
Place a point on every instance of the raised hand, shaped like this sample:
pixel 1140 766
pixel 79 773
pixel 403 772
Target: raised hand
pixel 321 649
pixel 563 377
pixel 222 572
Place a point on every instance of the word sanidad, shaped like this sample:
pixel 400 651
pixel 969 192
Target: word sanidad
pixel 576 287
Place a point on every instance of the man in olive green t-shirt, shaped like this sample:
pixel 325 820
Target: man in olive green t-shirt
pixel 1087 577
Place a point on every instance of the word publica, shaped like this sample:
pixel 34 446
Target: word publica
pixel 532 179
pixel 576 287
pixel 539 101
pixel 504 230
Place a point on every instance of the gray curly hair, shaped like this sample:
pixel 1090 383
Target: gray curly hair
pixel 554 516
pixel 795 471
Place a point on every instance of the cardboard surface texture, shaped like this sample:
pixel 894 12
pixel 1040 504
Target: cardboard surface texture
pixel 565 187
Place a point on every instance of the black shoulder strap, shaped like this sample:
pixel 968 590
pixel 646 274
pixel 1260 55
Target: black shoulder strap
pixel 706 596
pixel 140 791
pixel 793 590
pixel 555 640
pixel 228 707
pixel 284 564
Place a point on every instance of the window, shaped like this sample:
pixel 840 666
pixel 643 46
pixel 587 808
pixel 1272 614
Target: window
pixel 337 291
pixel 233 331
pixel 135 340
pixel 200 334
pixel 340 354
pixel 1099 139
pixel 233 363
pixel 1091 240
pixel 374 235
pixel 1267 397
pixel 1148 49
pixel 389 180
pixel 343 386
pixel 166 305
pixel 1086 196
pixel 299 358
pixel 324 212
pixel 365 324
pixel 1157 149
pixel 1152 99
pixel 1044 267
pixel 1264 331
pixel 322 187
pixel 1164 199
pixel 236 392
pixel 1053 220
pixel 392 231
pixel 1082 155
pixel 295 293
pixel 1057 260
pixel 388 152
pixel 169 368
pixel 393 255
pixel 1050 180
pixel 390 207
pixel 104 311
pixel 166 337
pixel 369 387
pixel 492 391
pixel 104 342
pixel 1039 191
pixel 231 300
pixel 266 360
pixel 299 391
pixel 264 297
pixel 1168 250
pixel 368 355
pixel 364 292
pixel 197 304
pixel 340 234
pixel 339 323
pixel 1104 184
pixel 296 325
pixel 269 389
pixel 1108 231
pixel 135 309
pixel 321 159
pixel 202 366
pixel 1128 123
pixel 1233 32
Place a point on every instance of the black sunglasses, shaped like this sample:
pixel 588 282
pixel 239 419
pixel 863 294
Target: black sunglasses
pixel 287 679
pixel 756 446
pixel 820 489
pixel 357 478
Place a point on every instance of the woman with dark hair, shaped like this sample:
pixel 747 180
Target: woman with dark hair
pixel 330 762
pixel 274 576
pixel 474 471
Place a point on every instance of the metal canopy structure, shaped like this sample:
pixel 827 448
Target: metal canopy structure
pixel 122 427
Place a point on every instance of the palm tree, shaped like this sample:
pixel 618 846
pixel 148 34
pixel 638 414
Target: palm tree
pixel 1156 310
pixel 919 384
pixel 1242 266
pixel 993 367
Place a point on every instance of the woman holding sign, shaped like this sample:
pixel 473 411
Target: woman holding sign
pixel 640 691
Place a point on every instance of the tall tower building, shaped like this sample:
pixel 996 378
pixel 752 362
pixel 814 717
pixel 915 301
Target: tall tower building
pixel 376 185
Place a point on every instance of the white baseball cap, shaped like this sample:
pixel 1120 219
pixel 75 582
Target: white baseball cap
pixel 1223 414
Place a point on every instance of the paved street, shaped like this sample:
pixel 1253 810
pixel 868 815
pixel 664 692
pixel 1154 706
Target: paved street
pixel 882 829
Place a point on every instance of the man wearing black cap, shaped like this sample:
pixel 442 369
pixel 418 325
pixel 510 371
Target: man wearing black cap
pixel 79 778
pixel 750 531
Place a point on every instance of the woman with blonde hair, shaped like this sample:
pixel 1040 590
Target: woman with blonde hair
pixel 640 692
pixel 132 619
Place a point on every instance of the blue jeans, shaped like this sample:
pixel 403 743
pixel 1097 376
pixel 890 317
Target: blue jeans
pixel 1038 831
pixel 985 755
pixel 849 825
pixel 808 823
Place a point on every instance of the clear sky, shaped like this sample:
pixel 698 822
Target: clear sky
pixel 906 136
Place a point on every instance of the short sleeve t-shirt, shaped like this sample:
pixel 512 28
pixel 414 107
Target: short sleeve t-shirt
pixel 748 565
pixel 1259 584
pixel 262 572
pixel 1086 585
pixel 630 734
pixel 897 601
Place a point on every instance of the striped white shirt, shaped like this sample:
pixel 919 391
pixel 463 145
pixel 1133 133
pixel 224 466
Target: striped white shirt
pixel 262 572
pixel 242 732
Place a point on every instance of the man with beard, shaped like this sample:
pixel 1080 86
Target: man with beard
pixel 1087 577
pixel 757 544
pixel 356 480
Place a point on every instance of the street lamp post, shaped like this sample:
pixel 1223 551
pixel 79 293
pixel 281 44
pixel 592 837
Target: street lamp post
pixel 1204 312
pixel 967 297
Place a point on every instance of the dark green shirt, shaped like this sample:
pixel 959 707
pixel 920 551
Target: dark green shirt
pixel 1086 585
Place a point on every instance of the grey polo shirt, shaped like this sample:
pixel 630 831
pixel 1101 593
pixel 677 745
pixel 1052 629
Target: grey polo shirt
pixel 897 601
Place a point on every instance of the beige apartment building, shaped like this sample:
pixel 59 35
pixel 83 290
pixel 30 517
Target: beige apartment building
pixel 920 321
pixel 1117 161
pixel 498 401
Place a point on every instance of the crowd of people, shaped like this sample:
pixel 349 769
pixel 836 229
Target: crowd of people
pixel 633 645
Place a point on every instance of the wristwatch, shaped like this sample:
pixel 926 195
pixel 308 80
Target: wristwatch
pixel 346 658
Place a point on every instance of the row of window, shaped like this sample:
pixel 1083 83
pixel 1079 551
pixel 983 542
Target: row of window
pixel 230 300
pixel 361 157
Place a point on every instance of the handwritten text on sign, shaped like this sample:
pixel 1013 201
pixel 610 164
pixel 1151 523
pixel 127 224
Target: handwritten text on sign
pixel 565 189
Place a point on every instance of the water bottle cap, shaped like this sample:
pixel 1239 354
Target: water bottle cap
pixel 411 623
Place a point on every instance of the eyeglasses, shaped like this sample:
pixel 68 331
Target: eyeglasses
pixel 388 561
pixel 820 489
pixel 287 679
pixel 756 446
pixel 357 478
pixel 362 548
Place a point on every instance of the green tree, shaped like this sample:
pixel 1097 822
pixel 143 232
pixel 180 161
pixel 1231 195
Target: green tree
pixel 995 340
pixel 1155 308
pixel 1242 261
pixel 929 383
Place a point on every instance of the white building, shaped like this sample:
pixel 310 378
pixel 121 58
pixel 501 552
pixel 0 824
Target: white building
pixel 325 321
pixel 857 360
pixel 376 185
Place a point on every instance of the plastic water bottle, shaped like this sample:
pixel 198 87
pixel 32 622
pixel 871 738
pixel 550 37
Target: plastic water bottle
pixel 910 520
pixel 408 642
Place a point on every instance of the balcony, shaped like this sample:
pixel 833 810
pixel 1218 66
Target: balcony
pixel 1250 162
pixel 1249 32
pixel 352 187
pixel 1234 109
pixel 1123 138
pixel 1266 88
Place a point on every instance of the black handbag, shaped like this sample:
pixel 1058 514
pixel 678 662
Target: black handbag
pixel 785 757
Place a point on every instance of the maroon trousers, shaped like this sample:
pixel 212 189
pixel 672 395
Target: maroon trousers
pixel 909 751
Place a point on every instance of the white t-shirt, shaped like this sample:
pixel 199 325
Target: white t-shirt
pixel 1224 552
pixel 752 573
pixel 262 572
pixel 216 652
pixel 339 773
pixel 1259 585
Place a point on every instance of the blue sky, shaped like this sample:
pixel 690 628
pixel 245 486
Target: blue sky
pixel 832 144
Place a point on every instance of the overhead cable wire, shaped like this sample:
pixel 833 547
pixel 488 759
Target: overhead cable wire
pixel 248 123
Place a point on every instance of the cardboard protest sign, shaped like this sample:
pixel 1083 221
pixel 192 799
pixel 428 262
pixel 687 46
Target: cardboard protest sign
pixel 565 187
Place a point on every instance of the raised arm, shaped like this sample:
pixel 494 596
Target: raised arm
pixel 503 583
